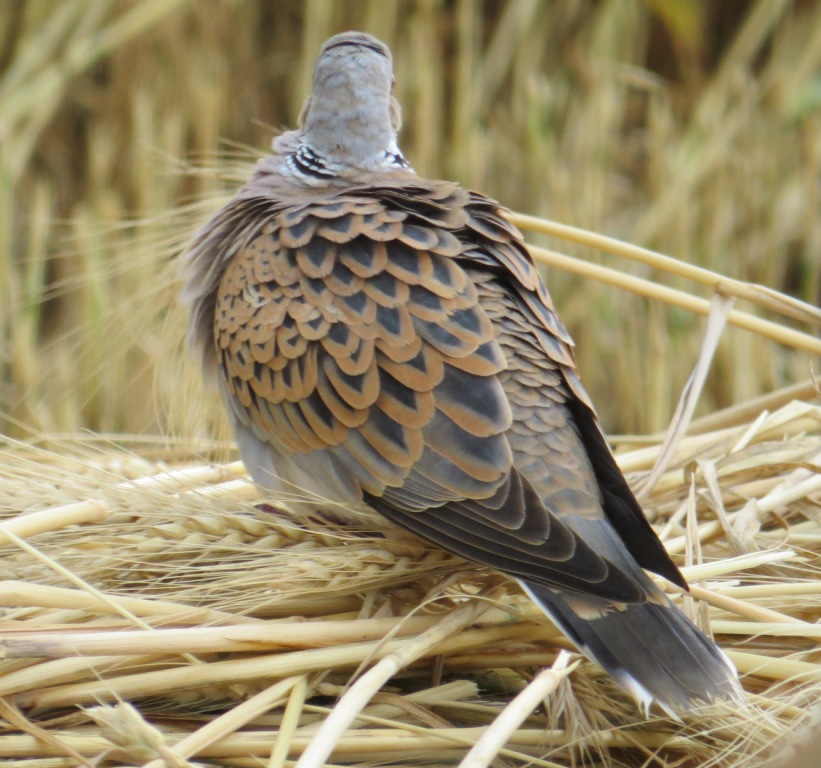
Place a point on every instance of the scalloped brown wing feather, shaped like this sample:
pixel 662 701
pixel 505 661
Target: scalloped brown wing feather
pixel 402 332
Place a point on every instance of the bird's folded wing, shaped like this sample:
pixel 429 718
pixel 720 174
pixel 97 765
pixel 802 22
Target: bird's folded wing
pixel 349 326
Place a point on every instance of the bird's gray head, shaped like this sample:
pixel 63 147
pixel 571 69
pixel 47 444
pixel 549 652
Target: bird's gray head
pixel 350 122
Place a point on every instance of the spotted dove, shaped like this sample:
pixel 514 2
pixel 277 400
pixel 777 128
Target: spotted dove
pixel 385 340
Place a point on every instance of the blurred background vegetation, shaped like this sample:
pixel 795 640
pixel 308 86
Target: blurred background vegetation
pixel 692 127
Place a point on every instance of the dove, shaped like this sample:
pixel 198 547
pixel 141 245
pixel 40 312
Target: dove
pixel 384 341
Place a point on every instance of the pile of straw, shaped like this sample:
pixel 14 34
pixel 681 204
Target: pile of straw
pixel 159 612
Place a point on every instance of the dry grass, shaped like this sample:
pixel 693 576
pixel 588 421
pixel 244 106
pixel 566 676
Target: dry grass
pixel 135 572
pixel 694 133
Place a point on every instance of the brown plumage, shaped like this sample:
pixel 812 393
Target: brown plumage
pixel 385 339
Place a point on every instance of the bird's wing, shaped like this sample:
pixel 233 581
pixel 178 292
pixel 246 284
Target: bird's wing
pixel 355 327
pixel 527 300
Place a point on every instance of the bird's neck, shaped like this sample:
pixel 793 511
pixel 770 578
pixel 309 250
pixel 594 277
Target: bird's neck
pixel 346 133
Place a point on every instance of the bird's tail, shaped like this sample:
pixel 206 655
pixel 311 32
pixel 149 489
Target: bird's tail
pixel 651 649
